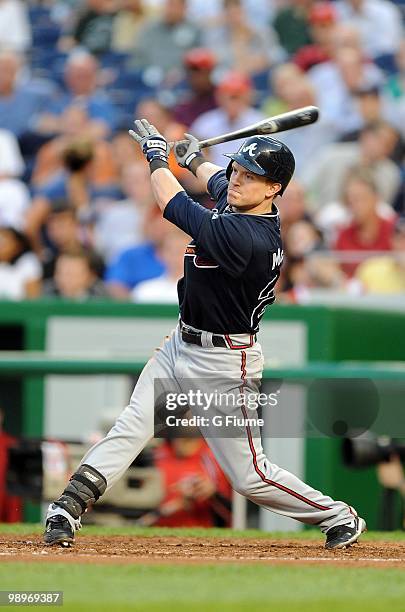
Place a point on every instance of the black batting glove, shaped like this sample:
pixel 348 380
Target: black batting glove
pixel 154 146
pixel 188 154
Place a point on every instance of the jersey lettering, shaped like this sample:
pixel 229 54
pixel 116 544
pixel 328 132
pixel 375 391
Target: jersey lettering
pixel 277 259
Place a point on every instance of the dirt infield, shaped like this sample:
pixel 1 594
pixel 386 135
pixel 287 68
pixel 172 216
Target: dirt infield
pixel 201 550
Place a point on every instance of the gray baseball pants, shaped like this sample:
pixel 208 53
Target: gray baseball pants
pixel 241 457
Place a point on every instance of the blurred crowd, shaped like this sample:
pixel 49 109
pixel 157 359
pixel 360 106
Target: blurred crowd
pixel 77 216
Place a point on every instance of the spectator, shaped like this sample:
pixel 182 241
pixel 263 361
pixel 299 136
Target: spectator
pixel 20 270
pixel 369 103
pixel 163 289
pixel 293 207
pixel 335 215
pixel 394 91
pixel 283 79
pixel 308 265
pixel 76 277
pixel 15 30
pixel 64 234
pixel 75 184
pixel 11 161
pixel 326 174
pixel 72 184
pixel 10 505
pixel 258 12
pixel 200 97
pixel 302 238
pixel 123 151
pixel 386 274
pixel 234 96
pixel 93 27
pixel 76 125
pixel 307 143
pixel 336 81
pixel 378 22
pixel 291 25
pixel 19 103
pixel 161 117
pixel 237 44
pixel 81 77
pixel 14 195
pixel 64 12
pixel 119 223
pixel 367 231
pixel 304 274
pixel 373 105
pixel 196 490
pixel 139 263
pixel 346 36
pixel 127 25
pixel 322 20
pixel 163 42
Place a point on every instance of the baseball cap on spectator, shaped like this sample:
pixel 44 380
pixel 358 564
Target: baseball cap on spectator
pixel 322 13
pixel 234 83
pixel 199 58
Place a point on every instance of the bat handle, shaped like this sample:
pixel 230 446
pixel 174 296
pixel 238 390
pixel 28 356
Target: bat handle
pixel 180 146
pixel 181 149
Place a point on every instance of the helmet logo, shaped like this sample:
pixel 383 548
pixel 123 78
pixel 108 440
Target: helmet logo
pixel 250 148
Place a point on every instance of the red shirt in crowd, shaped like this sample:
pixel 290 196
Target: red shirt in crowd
pixel 10 505
pixel 309 56
pixel 349 239
pixel 177 472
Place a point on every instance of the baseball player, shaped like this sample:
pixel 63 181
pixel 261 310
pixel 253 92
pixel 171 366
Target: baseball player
pixel 230 269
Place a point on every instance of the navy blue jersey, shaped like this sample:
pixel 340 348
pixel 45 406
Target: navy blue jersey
pixel 231 265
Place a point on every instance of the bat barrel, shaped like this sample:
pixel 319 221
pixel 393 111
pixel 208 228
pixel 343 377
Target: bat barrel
pixel 280 123
pixel 243 133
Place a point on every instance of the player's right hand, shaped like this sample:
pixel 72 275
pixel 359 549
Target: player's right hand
pixel 152 143
pixel 187 150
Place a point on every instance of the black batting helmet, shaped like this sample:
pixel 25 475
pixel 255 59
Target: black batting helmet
pixel 267 157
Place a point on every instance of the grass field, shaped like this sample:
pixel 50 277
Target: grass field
pixel 208 587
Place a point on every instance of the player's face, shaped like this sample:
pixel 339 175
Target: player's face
pixel 250 192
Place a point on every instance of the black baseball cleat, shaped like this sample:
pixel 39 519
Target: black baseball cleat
pixel 58 531
pixel 343 536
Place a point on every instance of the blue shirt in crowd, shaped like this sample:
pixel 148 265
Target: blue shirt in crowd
pixel 135 265
pixel 98 106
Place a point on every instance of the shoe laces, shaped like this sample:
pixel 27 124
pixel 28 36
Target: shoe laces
pixel 60 522
pixel 338 528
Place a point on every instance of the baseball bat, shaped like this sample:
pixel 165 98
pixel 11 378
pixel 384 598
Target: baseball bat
pixel 279 123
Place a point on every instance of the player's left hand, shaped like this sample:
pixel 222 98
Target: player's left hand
pixel 187 150
pixel 153 145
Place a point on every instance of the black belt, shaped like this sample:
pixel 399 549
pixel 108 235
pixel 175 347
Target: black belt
pixel 194 337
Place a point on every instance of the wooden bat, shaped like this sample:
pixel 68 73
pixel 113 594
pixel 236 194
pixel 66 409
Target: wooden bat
pixel 280 123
